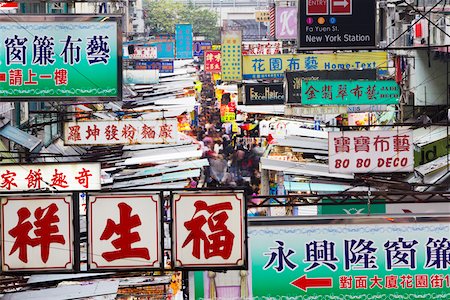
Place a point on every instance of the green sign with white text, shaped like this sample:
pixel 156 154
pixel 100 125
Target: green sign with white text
pixel 376 260
pixel 59 59
pixel 346 92
pixel 351 207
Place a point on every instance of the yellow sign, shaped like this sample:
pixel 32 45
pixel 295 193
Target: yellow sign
pixel 231 55
pixel 273 66
pixel 262 16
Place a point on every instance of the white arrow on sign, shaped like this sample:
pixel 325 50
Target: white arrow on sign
pixel 341 3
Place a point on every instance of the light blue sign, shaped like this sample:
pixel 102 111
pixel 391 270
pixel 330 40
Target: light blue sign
pixel 165 50
pixel 183 40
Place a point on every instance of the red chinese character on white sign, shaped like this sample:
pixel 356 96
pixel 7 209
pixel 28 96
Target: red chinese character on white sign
pixel 37 233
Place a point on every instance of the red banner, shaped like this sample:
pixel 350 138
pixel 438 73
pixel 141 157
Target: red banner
pixel 213 61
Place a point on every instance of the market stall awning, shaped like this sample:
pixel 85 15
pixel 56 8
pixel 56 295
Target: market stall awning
pixel 22 138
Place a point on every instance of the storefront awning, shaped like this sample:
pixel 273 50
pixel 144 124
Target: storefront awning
pixel 22 138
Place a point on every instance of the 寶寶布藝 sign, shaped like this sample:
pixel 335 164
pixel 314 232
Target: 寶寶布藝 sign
pixel 345 92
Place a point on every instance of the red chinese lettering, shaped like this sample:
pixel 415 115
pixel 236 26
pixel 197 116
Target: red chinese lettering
pixel 8 179
pixel 45 232
pixel 165 131
pixel 362 143
pixel 220 241
pixel 437 281
pixel 148 132
pixel 342 91
pixel 376 281
pixel 327 92
pixel 345 282
pixel 30 78
pixel 381 144
pixel 83 178
pixel 342 144
pixel 128 131
pixel 361 282
pixel 357 91
pixel 111 132
pixel 59 179
pixel 74 133
pixel 371 92
pixel 34 179
pixel 401 143
pixel 15 77
pixel 406 281
pixel 92 132
pixel 311 92
pixel 126 237
pixel 60 77
pixel 421 281
pixel 391 281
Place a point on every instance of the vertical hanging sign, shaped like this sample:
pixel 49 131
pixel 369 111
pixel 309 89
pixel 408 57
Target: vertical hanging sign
pixel 231 55
pixel 183 40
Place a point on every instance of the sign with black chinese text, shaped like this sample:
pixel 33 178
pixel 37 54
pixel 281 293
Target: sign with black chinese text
pixel 64 58
pixel 403 259
pixel 209 230
pixel 37 234
pixel 123 132
pixel 336 24
pixel 50 176
pixel 370 151
pixel 340 92
pixel 124 232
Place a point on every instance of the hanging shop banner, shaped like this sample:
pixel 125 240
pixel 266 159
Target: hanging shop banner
pixel 125 132
pixel 213 61
pixel 60 59
pixel 50 176
pixel 336 24
pixel 370 151
pixel 231 55
pixel 143 52
pixel 262 48
pixel 294 79
pixel 141 76
pixel 199 47
pixel 209 230
pixel 165 66
pixel 290 110
pixel 346 92
pixel 37 234
pixel 351 207
pixel 262 16
pixel 264 94
pixel 164 50
pixel 124 232
pixel 366 108
pixel 286 23
pixel 405 259
pixel 274 66
pixel 183 40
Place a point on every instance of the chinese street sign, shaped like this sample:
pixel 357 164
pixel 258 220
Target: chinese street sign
pixel 262 48
pixel 286 23
pixel 264 94
pixel 213 61
pixel 199 47
pixel 37 234
pixel 231 55
pixel 294 79
pixel 370 151
pixel 183 40
pixel 50 176
pixel 274 66
pixel 290 110
pixel 60 59
pixel 209 230
pixel 366 108
pixel 123 132
pixel 165 50
pixel 164 66
pixel 404 260
pixel 144 52
pixel 345 92
pixel 336 24
pixel 124 232
pixel 262 16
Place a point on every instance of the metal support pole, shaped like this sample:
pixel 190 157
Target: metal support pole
pixel 76 230
pixel 185 284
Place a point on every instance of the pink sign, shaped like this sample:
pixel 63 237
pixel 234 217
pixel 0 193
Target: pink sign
pixel 286 23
